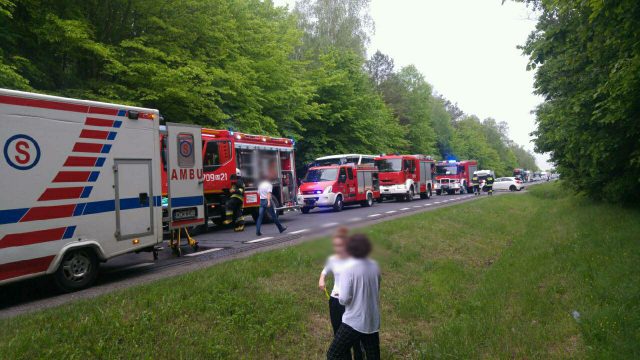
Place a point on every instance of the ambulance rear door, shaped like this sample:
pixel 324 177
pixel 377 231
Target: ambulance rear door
pixel 185 175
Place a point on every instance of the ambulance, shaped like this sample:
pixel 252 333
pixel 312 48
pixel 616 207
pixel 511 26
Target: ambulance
pixel 337 186
pixel 81 184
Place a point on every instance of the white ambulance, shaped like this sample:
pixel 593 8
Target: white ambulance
pixel 80 183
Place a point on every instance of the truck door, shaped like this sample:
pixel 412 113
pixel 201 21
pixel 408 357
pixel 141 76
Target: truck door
pixel 185 175
pixel 352 185
pixel 134 193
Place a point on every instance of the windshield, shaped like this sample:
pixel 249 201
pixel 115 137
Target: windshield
pixel 451 169
pixel 318 175
pixel 389 165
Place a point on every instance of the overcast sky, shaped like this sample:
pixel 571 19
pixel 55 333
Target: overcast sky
pixel 467 50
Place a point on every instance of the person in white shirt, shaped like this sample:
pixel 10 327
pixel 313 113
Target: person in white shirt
pixel 265 190
pixel 359 293
pixel 335 265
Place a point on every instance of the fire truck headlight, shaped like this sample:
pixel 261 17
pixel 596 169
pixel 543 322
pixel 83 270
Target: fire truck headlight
pixel 328 189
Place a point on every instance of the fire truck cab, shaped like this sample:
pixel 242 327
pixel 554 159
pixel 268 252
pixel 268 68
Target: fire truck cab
pixel 404 176
pixel 336 186
pixel 256 156
pixel 454 177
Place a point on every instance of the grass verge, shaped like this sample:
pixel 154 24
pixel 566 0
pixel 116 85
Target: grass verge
pixel 537 275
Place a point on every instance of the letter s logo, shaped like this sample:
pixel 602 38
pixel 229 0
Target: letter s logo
pixel 21 152
pixel 22 148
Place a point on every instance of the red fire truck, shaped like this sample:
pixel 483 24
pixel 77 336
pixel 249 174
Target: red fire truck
pixel 454 177
pixel 339 185
pixel 404 176
pixel 255 156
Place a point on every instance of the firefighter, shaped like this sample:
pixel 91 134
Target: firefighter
pixel 475 182
pixel 490 181
pixel 234 205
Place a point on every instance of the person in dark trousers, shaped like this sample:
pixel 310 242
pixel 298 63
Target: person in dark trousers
pixel 359 293
pixel 490 181
pixel 265 190
pixel 233 206
pixel 475 181
pixel 335 265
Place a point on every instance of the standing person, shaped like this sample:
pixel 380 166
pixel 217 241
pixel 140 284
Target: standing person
pixel 359 293
pixel 233 212
pixel 335 265
pixel 490 180
pixel 265 190
pixel 475 181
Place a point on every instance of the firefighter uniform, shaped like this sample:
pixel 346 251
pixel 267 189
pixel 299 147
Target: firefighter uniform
pixel 475 181
pixel 490 181
pixel 234 205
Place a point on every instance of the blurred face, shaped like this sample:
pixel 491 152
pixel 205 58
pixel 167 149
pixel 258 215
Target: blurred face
pixel 339 247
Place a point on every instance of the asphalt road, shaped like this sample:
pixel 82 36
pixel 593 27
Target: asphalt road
pixel 214 247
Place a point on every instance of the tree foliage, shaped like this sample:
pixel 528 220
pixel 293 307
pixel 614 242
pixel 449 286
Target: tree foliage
pixel 244 64
pixel 587 57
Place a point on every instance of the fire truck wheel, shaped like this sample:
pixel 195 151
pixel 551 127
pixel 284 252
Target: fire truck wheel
pixel 369 201
pixel 338 205
pixel 410 195
pixel 305 209
pixel 77 270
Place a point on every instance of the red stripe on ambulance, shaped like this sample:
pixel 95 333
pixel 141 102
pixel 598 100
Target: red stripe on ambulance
pixel 32 237
pixel 25 267
pixel 72 176
pixel 61 193
pixel 87 147
pixel 94 134
pixel 48 212
pixel 98 122
pixel 81 161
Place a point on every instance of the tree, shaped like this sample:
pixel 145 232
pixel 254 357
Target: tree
pixel 587 58
pixel 380 68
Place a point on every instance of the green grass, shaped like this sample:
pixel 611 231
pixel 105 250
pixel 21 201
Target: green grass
pixel 495 278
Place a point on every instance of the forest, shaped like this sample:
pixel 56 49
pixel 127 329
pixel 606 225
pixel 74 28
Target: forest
pixel 247 65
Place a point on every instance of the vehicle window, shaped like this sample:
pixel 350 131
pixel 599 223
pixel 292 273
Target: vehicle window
pixel 247 166
pixel 350 173
pixel 367 160
pixel 389 165
pixel 343 173
pixel 446 169
pixel 317 175
pixel 216 153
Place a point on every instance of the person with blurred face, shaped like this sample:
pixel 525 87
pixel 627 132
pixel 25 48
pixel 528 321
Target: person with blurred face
pixel 335 265
pixel 359 293
pixel 265 190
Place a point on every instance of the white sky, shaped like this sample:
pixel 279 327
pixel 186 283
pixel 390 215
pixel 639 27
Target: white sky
pixel 467 50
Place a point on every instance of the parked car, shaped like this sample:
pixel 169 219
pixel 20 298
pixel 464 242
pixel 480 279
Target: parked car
pixel 508 183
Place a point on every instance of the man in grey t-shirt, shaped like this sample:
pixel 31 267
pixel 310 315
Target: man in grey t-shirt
pixel 359 293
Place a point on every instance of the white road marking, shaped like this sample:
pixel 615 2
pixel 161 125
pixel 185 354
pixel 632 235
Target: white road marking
pixel 390 212
pixel 417 206
pixel 298 232
pixel 329 225
pixel 405 209
pixel 354 219
pixel 259 240
pixel 428 204
pixel 374 215
pixel 204 252
pixel 437 202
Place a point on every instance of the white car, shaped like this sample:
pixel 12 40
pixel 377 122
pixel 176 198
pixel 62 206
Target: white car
pixel 508 183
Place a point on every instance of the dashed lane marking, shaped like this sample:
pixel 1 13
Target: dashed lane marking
pixel 374 215
pixel 405 209
pixel 354 219
pixel 204 252
pixel 329 224
pixel 298 232
pixel 259 240
pixel 390 212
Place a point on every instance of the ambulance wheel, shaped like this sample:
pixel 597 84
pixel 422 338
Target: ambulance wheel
pixel 369 201
pixel 77 270
pixel 338 205
pixel 305 209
